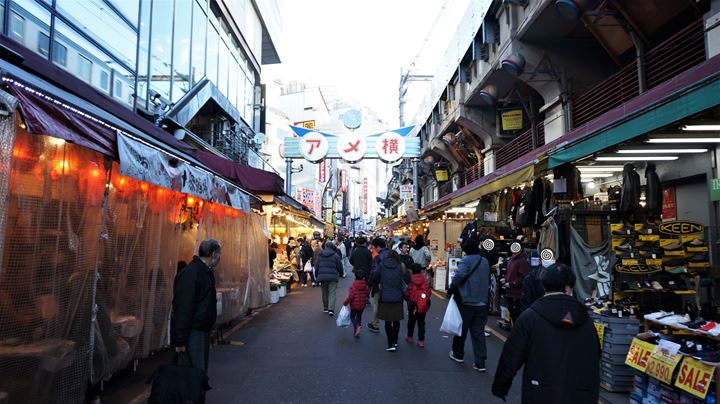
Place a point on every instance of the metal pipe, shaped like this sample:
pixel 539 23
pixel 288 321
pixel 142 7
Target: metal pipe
pixel 640 59
pixel 288 176
pixel 416 185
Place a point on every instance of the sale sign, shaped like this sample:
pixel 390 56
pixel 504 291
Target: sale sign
pixel 695 377
pixel 639 354
pixel 600 328
pixel 661 366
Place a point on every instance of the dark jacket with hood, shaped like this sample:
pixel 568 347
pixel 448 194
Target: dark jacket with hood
pixel 559 347
pixel 328 266
pixel 361 260
pixel 532 288
pixel 194 305
pixel 306 252
pixel 518 267
pixel 630 197
pixel 389 278
pixel 653 192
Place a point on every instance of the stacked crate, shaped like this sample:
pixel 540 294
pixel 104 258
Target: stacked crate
pixel 615 375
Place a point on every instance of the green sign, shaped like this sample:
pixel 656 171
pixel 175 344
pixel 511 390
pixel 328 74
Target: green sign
pixel 715 189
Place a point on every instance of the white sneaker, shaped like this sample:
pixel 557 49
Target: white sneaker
pixel 391 349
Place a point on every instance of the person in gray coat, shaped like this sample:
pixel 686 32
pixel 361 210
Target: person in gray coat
pixel 471 282
pixel 328 268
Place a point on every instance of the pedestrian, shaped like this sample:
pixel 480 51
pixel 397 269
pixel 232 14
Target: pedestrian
pixel 379 252
pixel 357 298
pixel 361 258
pixel 417 296
pixel 306 255
pixel 388 278
pixel 470 285
pixel 420 253
pixel 272 253
pixel 517 268
pixel 316 245
pixel 329 268
pixel 532 288
pixel 405 259
pixel 194 306
pixel 547 340
pixel 343 254
pixel 293 253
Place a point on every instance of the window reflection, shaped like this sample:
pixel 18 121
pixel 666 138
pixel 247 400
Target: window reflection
pixel 212 53
pixel 28 24
pixel 161 43
pixel 222 82
pixel 128 8
pixel 181 44
pixel 43 44
pixel 199 36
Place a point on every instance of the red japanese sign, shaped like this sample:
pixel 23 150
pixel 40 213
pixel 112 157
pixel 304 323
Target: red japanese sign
pixel 322 172
pixel 365 196
pixel 669 207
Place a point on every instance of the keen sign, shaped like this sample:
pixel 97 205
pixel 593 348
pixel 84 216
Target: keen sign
pixel 681 228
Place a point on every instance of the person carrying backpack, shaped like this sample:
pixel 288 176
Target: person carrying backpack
pixel 418 301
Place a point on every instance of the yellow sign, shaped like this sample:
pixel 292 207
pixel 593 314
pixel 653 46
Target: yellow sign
pixel 512 120
pixel 639 354
pixel 681 227
pixel 695 377
pixel 306 124
pixel 662 366
pixel 441 175
pixel 600 328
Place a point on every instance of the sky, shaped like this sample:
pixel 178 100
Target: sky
pixel 359 47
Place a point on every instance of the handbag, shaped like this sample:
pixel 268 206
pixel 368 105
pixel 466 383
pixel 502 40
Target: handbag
pixel 455 290
pixel 308 267
pixel 173 383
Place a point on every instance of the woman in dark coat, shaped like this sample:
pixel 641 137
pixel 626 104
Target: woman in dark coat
pixel 389 277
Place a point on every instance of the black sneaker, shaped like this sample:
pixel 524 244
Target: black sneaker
pixel 626 255
pixel 675 262
pixel 331 313
pixel 624 231
pixel 648 229
pixel 456 359
pixel 479 367
pixel 372 328
pixel 648 245
pixel 626 246
pixel 699 258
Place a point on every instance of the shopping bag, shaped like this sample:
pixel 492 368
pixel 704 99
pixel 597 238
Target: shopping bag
pixel 308 267
pixel 452 322
pixel 343 319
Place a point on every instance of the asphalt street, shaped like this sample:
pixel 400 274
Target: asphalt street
pixel 292 352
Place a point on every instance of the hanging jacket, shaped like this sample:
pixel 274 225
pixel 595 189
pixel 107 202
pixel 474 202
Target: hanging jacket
pixel 653 192
pixel 548 203
pixel 358 295
pixel 517 268
pixel 547 340
pixel 538 197
pixel 630 197
pixel 549 237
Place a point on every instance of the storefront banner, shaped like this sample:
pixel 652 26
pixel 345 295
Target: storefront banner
pixel 669 207
pixel 195 182
pixel 695 377
pixel 681 228
pixel 239 199
pixel 592 266
pixel 638 269
pixel 145 163
pixel 639 354
pixel 661 366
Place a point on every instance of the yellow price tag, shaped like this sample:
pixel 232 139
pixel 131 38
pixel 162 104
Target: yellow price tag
pixel 639 354
pixel 662 366
pixel 600 328
pixel 695 377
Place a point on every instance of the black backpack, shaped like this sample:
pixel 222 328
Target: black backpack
pixel 174 384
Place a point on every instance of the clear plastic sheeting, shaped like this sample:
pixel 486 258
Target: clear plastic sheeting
pixel 79 234
pixel 7 140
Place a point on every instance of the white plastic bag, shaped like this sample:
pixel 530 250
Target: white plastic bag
pixel 343 319
pixel 452 322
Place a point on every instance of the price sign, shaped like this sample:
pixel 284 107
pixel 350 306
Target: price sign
pixel 695 377
pixel 600 328
pixel 639 354
pixel 662 366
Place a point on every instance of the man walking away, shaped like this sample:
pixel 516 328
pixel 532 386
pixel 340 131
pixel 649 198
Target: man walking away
pixel 547 340
pixel 306 254
pixel 361 257
pixel 329 268
pixel 194 307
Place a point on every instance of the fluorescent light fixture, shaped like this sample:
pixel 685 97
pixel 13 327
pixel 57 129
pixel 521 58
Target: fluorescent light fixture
pixel 675 140
pixel 636 158
pixel 596 175
pixel 656 151
pixel 700 127
pixel 599 169
pixel 461 210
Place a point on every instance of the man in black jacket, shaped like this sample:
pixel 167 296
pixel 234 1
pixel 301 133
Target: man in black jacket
pixel 361 257
pixel 558 345
pixel 194 307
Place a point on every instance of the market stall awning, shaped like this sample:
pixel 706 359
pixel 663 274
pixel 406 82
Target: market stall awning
pixel 688 93
pixel 252 179
pixel 496 181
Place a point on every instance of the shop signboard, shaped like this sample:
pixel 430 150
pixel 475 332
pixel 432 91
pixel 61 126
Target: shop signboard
pixel 441 175
pixel 365 196
pixel 681 228
pixel 637 269
pixel 695 377
pixel 669 207
pixel 322 172
pixel 639 354
pixel 715 189
pixel 406 192
pixel 352 147
pixel 512 119
pixel 306 124
pixel 440 278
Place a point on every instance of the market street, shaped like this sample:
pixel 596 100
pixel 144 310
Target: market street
pixel 294 353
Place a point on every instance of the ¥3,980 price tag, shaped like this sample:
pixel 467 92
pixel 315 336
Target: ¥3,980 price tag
pixel 695 377
pixel 662 366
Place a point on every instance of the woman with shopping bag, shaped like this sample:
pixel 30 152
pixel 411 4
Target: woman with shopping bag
pixel 470 287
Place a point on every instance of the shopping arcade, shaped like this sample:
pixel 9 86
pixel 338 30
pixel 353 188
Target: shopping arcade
pixel 81 234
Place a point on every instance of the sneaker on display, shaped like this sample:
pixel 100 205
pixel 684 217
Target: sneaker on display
pixel 672 247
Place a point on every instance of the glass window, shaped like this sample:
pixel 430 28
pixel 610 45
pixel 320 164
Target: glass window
pixel 212 53
pixel 84 68
pixel 199 37
pixel 128 8
pixel 118 88
pixel 181 45
pixel 2 14
pixel 123 85
pixel 105 81
pixel 106 27
pixel 59 54
pixel 17 27
pixel 43 46
pixel 143 55
pixel 232 81
pixel 161 48
pixel 222 82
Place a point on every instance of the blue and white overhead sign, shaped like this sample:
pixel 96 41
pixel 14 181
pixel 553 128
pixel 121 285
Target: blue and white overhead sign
pixel 388 146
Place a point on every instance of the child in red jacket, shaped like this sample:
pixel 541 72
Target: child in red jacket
pixel 357 298
pixel 418 301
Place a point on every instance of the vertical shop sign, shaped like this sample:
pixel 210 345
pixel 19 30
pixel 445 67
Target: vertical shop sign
pixel 344 180
pixel 365 196
pixel 715 189
pixel 669 211
pixel 322 172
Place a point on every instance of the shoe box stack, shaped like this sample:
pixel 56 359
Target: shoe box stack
pixel 648 390
pixel 618 333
